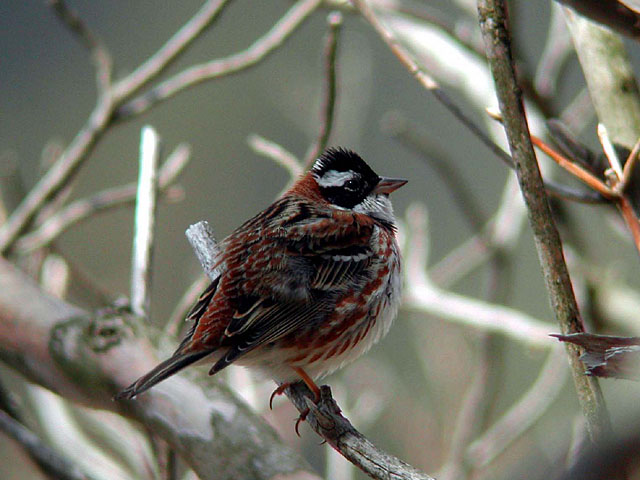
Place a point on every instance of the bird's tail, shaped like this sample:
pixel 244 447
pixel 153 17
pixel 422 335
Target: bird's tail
pixel 164 370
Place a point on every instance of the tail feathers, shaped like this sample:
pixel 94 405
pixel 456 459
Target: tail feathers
pixel 164 370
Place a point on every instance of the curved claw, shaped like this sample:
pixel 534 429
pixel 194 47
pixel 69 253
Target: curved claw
pixel 278 391
pixel 300 419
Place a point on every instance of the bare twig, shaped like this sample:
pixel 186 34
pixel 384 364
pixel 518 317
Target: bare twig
pixel 422 295
pixel 107 199
pixel 426 80
pixel 146 201
pixel 222 67
pixel 99 53
pixel 51 462
pixel 429 83
pixel 200 236
pixel 324 418
pixel 88 358
pixel 277 153
pixel 493 23
pixel 108 106
pixel 175 46
pixel 334 20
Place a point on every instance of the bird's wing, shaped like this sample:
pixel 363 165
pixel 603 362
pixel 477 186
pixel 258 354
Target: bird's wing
pixel 286 275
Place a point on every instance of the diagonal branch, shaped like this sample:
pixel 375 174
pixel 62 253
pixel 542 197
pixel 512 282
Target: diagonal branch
pixel 493 23
pixel 109 104
pixel 100 55
pixel 109 198
pixel 176 45
pixel 224 66
pixel 88 358
pixel 51 462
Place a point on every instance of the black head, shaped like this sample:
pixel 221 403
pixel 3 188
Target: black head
pixel 343 177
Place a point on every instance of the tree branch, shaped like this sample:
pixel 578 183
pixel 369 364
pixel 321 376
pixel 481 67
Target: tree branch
pixel 88 359
pixel 334 20
pixel 325 418
pixel 493 23
pixel 145 214
pixel 51 462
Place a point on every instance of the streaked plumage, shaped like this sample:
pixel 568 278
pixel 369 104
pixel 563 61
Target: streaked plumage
pixel 303 287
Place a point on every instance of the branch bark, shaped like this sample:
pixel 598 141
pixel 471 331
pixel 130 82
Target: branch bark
pixel 88 358
pixel 493 23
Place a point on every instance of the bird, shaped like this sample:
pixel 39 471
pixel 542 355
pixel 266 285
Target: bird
pixel 304 287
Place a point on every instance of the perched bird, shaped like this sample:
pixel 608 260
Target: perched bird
pixel 305 286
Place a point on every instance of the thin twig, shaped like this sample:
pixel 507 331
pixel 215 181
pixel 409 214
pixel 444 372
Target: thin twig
pixel 146 201
pixel 105 200
pixel 334 20
pixel 325 418
pixel 426 80
pixel 277 153
pixel 221 67
pixel 493 23
pixel 99 53
pixel 104 113
pixel 51 462
pixel 170 51
pixel 422 295
pixel 429 83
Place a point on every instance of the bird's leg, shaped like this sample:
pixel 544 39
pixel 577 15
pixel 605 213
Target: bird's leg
pixel 314 389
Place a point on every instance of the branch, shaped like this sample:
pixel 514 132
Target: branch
pixel 493 23
pixel 422 295
pixel 431 85
pixel 277 153
pixel 325 418
pixel 221 67
pixel 107 199
pixel 99 54
pixel 109 105
pixel 144 223
pixel 88 359
pixel 170 51
pixel 51 462
pixel 330 83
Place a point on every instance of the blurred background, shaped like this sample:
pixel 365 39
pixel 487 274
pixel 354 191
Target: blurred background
pixel 408 394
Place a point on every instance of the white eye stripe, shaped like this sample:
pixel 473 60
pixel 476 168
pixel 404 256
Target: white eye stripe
pixel 333 178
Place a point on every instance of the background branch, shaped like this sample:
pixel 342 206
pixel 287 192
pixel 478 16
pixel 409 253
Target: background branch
pixel 88 359
pixel 144 225
pixel 493 23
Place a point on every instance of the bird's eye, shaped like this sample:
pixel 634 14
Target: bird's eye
pixel 351 185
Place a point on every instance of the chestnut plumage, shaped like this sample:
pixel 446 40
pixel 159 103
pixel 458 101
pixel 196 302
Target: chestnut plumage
pixel 305 286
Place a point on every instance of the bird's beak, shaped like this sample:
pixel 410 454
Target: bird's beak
pixel 388 185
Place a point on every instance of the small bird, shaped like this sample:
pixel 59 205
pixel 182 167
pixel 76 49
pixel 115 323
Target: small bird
pixel 304 287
